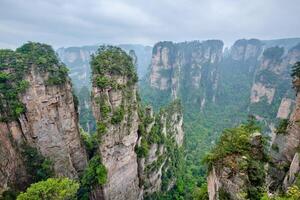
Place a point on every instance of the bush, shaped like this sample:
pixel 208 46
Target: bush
pixel 143 149
pixel 37 166
pixel 282 126
pixel 101 129
pixel 95 173
pixel 118 115
pixel 114 61
pixel 51 189
pixel 90 142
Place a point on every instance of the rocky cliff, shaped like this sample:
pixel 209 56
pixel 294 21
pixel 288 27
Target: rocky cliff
pixel 114 104
pixel 136 147
pixel 236 164
pixel 77 60
pixel 159 145
pixel 188 65
pixel 38 113
pixel 284 166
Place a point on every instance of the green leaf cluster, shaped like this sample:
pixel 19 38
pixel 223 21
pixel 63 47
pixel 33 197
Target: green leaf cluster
pixel 37 166
pixel 51 189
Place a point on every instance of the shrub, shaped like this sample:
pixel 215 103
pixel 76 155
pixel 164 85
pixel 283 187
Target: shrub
pixel 95 173
pixel 143 149
pixel 112 60
pixel 37 166
pixel 51 189
pixel 282 126
pixel 101 128
pixel 90 142
pixel 118 115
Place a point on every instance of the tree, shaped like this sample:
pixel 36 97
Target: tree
pixel 51 189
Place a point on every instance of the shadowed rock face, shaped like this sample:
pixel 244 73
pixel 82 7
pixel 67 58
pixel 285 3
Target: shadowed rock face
pixel 49 124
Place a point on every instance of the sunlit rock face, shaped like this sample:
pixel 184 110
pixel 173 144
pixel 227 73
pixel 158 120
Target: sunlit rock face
pixel 48 124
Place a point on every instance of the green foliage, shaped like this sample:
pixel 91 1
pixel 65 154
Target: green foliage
pixel 223 194
pixel 95 173
pixel 143 149
pixel 38 167
pixel 118 115
pixel 282 126
pixel 296 69
pixel 9 195
pixel 51 189
pixel 45 59
pixel 232 141
pixel 236 143
pixel 15 64
pixel 90 142
pixel 103 82
pixel 201 193
pixel 101 128
pixel 110 60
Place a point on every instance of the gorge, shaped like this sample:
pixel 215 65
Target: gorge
pixel 155 136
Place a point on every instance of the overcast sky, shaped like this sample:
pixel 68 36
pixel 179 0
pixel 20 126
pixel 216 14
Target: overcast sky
pixel 84 22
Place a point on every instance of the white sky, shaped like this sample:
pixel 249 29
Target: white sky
pixel 84 22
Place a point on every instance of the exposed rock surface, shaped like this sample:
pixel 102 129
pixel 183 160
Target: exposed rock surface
pixel 195 61
pixel 284 108
pixel 284 157
pixel 49 124
pixel 117 147
pixel 228 179
pixel 161 155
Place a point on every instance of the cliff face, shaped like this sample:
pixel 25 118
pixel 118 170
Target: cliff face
pixel 284 166
pixel 44 117
pixel 136 147
pixel 238 174
pixel 272 82
pixel 158 149
pixel 115 108
pixel 175 64
pixel 243 49
pixel 78 59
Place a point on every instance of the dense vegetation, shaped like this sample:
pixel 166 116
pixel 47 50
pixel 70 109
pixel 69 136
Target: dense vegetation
pixel 231 106
pixel 14 65
pixel 236 143
pixel 51 189
pixel 112 61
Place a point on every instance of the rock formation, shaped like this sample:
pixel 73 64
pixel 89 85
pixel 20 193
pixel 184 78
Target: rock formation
pixel 131 142
pixel 175 64
pixel 158 149
pixel 37 110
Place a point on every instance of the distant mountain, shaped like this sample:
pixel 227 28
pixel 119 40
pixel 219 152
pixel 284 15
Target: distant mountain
pixel 77 60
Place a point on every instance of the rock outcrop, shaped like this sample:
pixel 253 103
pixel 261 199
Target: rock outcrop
pixel 175 64
pixel 44 118
pixel 158 149
pixel 237 176
pixel 114 104
pixel 284 152
pixel 136 147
